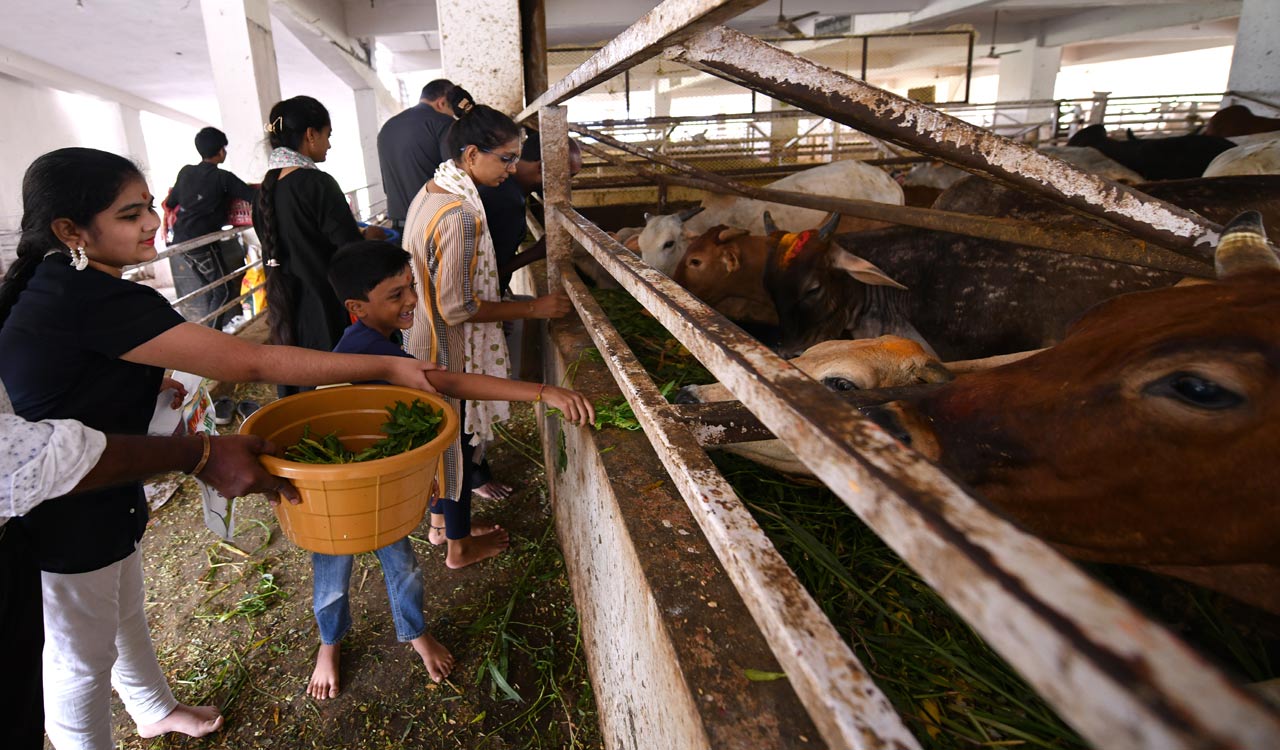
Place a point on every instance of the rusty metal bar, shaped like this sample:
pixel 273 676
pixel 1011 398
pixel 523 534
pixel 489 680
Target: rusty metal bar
pixel 1076 239
pixel 842 699
pixel 667 24
pixel 755 64
pixel 1121 680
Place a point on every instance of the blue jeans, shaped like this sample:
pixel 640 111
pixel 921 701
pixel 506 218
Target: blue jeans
pixel 332 578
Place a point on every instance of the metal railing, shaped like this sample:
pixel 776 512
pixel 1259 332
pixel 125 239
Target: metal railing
pixel 179 249
pixel 1118 678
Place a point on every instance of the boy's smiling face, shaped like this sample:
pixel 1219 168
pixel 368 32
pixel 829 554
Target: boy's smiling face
pixel 390 304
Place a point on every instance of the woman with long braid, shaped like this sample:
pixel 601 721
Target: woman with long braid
pixel 302 218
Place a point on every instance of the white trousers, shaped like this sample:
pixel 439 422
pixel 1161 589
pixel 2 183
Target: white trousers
pixel 96 637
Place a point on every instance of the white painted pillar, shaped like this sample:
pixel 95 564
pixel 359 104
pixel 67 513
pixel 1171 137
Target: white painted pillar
pixel 367 123
pixel 480 50
pixel 133 137
pixel 1028 74
pixel 245 77
pixel 1255 62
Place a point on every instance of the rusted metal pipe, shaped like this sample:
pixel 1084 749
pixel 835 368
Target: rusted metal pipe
pixel 1077 238
pixel 760 66
pixel 667 24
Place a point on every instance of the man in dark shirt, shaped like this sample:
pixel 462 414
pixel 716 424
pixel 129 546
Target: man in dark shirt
pixel 202 194
pixel 410 147
pixel 504 207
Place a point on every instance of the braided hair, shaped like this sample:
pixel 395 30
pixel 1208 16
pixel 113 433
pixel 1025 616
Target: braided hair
pixel 477 125
pixel 70 183
pixel 286 127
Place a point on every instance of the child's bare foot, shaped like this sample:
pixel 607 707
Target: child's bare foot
pixel 193 721
pixel 324 680
pixel 493 490
pixel 481 545
pixel 435 657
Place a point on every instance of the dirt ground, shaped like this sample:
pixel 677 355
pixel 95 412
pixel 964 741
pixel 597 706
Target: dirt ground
pixel 232 626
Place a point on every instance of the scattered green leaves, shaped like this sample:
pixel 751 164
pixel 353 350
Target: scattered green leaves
pixel 760 675
pixel 408 426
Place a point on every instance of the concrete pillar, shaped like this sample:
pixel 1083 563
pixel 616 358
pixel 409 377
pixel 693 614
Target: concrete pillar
pixel 367 123
pixel 134 140
pixel 1028 74
pixel 480 50
pixel 1255 62
pixel 245 77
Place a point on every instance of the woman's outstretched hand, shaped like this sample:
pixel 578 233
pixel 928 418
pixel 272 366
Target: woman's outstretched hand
pixel 554 305
pixel 575 406
pixel 234 470
pixel 410 373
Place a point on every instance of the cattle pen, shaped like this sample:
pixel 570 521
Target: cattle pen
pixel 1119 679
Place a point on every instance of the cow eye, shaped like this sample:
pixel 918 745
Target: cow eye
pixel 668 244
pixel 1196 391
pixel 695 262
pixel 839 384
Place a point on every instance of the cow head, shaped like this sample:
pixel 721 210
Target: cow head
pixel 664 238
pixel 1150 435
pixel 817 287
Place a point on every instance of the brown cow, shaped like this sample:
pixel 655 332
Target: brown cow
pixel 724 267
pixel 1238 120
pixel 1149 436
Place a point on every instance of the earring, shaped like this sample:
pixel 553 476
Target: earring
pixel 79 258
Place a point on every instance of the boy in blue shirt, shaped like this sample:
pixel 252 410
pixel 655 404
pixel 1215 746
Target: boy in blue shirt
pixel 376 283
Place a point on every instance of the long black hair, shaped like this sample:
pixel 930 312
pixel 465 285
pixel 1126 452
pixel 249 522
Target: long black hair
pixel 70 183
pixel 477 125
pixel 286 127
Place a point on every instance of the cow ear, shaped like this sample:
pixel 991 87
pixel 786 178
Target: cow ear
pixel 632 243
pixel 730 257
pixel 1243 247
pixel 689 234
pixel 729 233
pixel 863 270
pixel 647 217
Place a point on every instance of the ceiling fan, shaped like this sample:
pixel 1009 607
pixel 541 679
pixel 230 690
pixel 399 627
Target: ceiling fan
pixel 991 53
pixel 789 24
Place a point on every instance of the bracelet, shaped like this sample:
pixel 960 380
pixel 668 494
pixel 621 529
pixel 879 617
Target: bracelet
pixel 541 387
pixel 204 456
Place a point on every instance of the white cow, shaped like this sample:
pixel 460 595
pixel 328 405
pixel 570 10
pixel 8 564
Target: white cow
pixel 665 238
pixel 1259 158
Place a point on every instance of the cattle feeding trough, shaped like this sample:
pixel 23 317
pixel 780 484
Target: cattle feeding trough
pixel 1116 677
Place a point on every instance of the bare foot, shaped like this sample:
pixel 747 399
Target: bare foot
pixel 324 680
pixel 436 534
pixel 477 547
pixel 435 657
pixel 493 490
pixel 193 721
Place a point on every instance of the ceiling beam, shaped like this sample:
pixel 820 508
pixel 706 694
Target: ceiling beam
pixel 938 11
pixel 325 36
pixel 386 17
pixel 1107 23
pixel 35 71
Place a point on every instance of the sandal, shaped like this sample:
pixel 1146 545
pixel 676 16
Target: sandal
pixel 223 411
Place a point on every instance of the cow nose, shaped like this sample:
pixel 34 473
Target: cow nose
pixel 686 395
pixel 887 419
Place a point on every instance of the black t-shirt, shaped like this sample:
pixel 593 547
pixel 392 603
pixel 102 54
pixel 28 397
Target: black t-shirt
pixel 504 210
pixel 59 359
pixel 410 147
pixel 204 193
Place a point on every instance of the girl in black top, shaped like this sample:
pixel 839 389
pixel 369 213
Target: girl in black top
pixel 302 218
pixel 79 342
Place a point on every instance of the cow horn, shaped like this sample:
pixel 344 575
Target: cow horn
pixel 769 226
pixel 1243 247
pixel 689 213
pixel 829 227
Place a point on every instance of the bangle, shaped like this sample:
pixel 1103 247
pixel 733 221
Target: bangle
pixel 541 387
pixel 204 455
